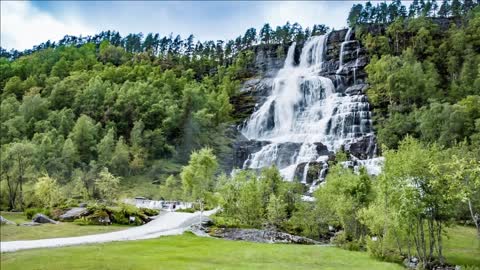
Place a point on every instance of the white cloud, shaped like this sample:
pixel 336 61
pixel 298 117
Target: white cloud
pixel 23 26
pixel 307 13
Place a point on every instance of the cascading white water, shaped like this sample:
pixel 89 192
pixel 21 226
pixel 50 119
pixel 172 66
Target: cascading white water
pixel 303 111
pixel 346 42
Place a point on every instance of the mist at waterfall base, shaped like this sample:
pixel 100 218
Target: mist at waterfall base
pixel 305 119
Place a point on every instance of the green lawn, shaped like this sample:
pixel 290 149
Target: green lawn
pixel 64 229
pixel 191 252
pixel 462 246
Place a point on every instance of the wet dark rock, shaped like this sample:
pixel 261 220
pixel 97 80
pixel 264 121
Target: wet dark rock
pixel 41 218
pixel 261 236
pixel 285 153
pixel 244 105
pixel 315 171
pixel 269 58
pixel 253 93
pixel 257 87
pixel 410 263
pixel 74 213
pixel 358 89
pixel 363 148
pixel 243 149
pixel 322 149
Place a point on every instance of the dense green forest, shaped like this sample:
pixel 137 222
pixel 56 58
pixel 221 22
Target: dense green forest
pixel 79 113
pixel 71 108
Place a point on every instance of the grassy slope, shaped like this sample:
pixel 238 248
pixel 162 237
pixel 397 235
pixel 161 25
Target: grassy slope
pixel 190 252
pixel 141 185
pixel 12 232
pixel 462 246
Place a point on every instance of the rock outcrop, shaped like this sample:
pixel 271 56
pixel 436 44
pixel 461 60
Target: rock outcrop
pixel 269 59
pixel 41 218
pixel 349 124
pixel 74 213
pixel 260 236
pixel 362 148
pixel 5 221
pixel 315 171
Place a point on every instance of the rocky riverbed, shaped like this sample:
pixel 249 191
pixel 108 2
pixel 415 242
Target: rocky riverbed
pixel 260 236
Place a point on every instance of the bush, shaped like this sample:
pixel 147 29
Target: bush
pixel 149 212
pixel 122 214
pixel 118 215
pixel 227 222
pixel 30 212
pixel 83 221
pixel 56 213
pixel 342 240
pixel 387 254
pixel 120 218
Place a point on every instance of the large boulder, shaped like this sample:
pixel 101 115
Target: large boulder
pixel 5 221
pixel 74 213
pixel 41 218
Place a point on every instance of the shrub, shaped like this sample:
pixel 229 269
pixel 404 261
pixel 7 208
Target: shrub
pixel 83 221
pixel 387 254
pixel 149 212
pixel 122 214
pixel 56 213
pixel 119 218
pixel 342 240
pixel 119 215
pixel 30 212
pixel 227 222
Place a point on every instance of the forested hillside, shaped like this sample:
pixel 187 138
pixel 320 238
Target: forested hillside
pixel 72 107
pixel 80 115
pixel 424 73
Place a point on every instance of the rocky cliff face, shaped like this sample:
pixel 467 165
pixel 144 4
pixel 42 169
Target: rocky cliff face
pixel 343 64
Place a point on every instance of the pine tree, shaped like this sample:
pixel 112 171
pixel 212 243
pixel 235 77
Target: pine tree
pixel 456 8
pixel 266 33
pixel 444 10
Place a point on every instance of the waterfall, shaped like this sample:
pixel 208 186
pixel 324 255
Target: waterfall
pixel 305 119
pixel 346 42
pixel 348 36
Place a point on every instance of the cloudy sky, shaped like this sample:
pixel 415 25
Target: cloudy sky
pixel 24 24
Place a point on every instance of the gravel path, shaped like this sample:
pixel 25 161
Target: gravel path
pixel 167 223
